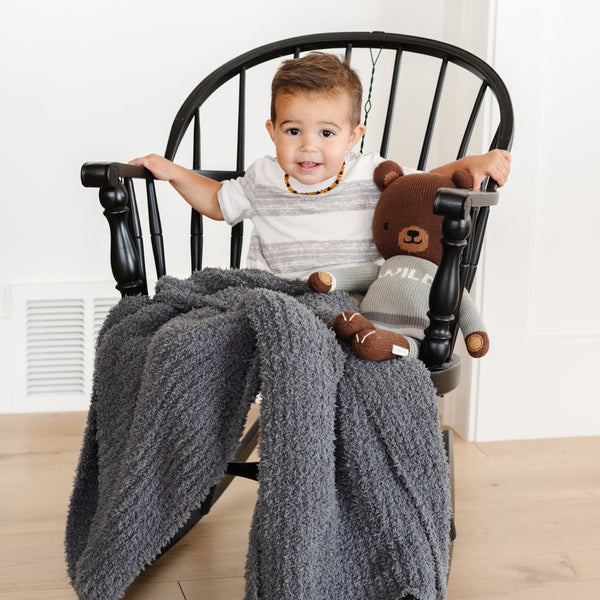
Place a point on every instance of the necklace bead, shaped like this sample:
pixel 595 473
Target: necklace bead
pixel 323 191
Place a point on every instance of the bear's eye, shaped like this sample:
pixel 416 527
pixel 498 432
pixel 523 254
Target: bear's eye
pixel 386 226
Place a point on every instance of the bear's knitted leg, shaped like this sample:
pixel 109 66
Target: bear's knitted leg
pixel 381 344
pixel 349 323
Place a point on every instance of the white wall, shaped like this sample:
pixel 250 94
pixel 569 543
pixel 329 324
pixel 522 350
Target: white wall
pixel 102 82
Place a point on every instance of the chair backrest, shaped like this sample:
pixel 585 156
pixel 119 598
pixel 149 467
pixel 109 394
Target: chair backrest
pixel 397 48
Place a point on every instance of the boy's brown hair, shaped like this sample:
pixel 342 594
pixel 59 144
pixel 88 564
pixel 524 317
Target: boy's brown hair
pixel 318 72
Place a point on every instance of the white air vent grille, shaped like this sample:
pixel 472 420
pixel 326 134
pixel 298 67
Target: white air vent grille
pixel 53 328
pixel 60 336
pixel 55 346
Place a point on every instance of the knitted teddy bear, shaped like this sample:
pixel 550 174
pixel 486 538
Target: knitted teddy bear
pixel 407 233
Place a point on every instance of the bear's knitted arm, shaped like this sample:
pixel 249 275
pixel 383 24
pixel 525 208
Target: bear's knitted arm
pixel 471 324
pixel 355 277
pixel 469 318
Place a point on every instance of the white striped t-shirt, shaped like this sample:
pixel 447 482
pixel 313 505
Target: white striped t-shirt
pixel 295 234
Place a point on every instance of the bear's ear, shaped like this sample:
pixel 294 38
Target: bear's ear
pixel 386 172
pixel 463 179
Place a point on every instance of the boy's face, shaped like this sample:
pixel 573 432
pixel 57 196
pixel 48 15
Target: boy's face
pixel 312 134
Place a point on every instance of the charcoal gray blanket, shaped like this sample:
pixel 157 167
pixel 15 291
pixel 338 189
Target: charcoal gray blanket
pixel 353 499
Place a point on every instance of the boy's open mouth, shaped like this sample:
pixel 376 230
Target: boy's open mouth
pixel 308 165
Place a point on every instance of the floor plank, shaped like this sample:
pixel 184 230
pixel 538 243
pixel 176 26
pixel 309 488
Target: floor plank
pixel 213 588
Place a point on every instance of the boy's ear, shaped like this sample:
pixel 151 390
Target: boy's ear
pixel 355 136
pixel 271 129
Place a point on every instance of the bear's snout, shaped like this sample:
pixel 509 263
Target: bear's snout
pixel 413 239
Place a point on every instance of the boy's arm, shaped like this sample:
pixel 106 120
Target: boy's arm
pixel 495 164
pixel 198 191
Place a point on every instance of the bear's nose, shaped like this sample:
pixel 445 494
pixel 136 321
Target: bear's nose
pixel 413 233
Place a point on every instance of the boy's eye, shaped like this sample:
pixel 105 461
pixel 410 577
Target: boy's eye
pixel 327 133
pixel 293 131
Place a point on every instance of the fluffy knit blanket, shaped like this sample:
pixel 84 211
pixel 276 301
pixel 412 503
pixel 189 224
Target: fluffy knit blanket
pixel 353 489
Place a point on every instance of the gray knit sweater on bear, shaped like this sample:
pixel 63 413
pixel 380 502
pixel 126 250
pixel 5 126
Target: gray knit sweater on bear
pixel 398 299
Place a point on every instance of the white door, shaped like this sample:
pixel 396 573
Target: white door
pixel 540 283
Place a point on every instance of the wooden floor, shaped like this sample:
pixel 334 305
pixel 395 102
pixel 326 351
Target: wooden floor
pixel 528 519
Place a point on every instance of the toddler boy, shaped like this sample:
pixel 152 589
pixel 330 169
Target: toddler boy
pixel 312 205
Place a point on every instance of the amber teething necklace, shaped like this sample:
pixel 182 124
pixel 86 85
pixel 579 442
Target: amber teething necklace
pixel 324 191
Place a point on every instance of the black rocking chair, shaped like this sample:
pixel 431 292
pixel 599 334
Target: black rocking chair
pixel 465 212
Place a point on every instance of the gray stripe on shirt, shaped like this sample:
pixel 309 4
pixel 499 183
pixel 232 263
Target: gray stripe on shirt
pixel 299 256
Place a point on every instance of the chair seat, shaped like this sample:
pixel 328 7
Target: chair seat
pixel 447 376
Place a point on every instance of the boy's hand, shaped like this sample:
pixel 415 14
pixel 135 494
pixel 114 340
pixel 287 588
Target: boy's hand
pixel 495 164
pixel 198 191
pixel 159 166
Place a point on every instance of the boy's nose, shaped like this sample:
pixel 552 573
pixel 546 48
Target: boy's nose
pixel 309 143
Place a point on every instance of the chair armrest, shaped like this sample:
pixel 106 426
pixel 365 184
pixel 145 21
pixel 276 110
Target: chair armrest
pixel 118 200
pixel 455 206
pixel 457 203
pixel 108 174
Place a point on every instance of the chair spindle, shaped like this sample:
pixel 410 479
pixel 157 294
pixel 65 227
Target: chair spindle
pixel 464 145
pixel 476 245
pixel 387 128
pixel 433 115
pixel 196 240
pixel 196 223
pixel 237 231
pixel 241 130
pixel 133 221
pixel 156 237
pixel 348 53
